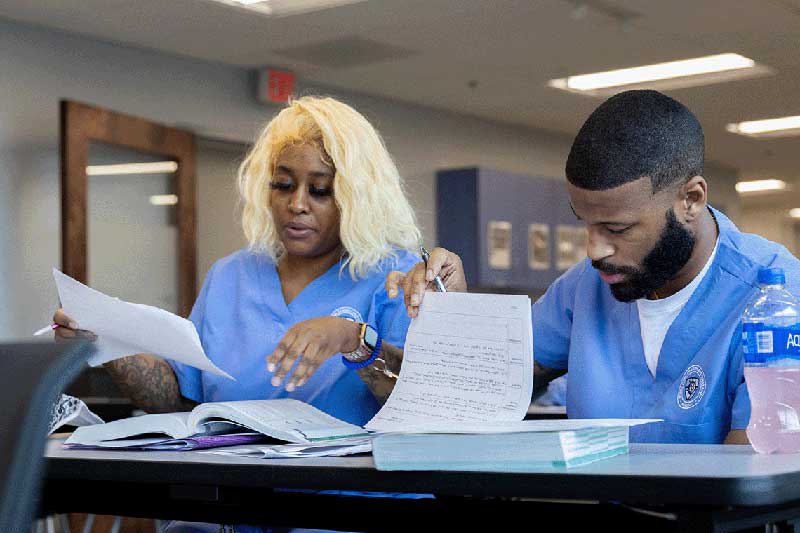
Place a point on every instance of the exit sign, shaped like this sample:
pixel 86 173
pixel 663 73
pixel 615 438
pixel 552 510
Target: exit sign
pixel 275 86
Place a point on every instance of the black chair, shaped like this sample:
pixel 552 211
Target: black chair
pixel 32 376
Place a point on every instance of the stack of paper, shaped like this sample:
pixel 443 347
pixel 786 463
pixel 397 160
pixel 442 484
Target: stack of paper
pixel 525 446
pixel 286 451
pixel 198 442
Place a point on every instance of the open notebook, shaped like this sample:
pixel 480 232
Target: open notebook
pixel 218 424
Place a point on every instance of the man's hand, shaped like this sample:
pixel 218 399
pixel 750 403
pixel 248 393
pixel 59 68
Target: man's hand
pixel 419 279
pixel 737 436
pixel 313 342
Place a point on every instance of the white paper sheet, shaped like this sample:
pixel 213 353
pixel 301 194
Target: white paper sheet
pixel 467 359
pixel 286 451
pixel 124 328
pixel 527 426
pixel 72 411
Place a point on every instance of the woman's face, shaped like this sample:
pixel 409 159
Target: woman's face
pixel 303 209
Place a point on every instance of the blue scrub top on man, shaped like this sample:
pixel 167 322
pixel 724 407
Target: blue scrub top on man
pixel 699 388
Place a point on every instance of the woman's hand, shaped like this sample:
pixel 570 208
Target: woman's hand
pixel 68 328
pixel 313 342
pixel 419 279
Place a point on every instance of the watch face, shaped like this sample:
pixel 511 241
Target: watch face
pixel 370 337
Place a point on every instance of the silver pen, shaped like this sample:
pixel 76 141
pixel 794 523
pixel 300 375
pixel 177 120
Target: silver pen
pixel 437 280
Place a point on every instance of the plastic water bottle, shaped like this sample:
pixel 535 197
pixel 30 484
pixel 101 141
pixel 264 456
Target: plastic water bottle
pixel 771 342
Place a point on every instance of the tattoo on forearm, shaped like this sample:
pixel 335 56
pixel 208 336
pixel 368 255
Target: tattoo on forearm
pixel 379 383
pixel 543 375
pixel 149 382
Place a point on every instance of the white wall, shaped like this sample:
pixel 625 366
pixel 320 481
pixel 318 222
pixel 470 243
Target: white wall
pixel 772 223
pixel 721 189
pixel 219 231
pixel 8 169
pixel 38 67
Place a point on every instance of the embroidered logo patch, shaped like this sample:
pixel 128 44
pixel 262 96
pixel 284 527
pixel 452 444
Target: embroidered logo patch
pixel 349 313
pixel 692 388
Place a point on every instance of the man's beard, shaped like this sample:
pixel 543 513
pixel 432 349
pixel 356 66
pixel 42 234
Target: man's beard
pixel 661 264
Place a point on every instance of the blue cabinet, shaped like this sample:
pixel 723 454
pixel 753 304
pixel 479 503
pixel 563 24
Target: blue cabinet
pixel 511 231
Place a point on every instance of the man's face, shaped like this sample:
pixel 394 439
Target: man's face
pixel 635 240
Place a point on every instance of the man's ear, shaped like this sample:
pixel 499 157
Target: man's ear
pixel 691 200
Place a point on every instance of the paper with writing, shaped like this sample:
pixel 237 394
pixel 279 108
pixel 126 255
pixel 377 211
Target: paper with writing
pixel 467 359
pixel 124 328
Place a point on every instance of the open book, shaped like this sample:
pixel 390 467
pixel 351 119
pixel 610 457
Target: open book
pixel 218 424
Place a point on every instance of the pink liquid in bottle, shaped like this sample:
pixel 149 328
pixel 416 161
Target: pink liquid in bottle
pixel 774 408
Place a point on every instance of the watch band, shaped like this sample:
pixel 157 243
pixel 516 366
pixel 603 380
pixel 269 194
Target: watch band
pixel 366 362
pixel 364 350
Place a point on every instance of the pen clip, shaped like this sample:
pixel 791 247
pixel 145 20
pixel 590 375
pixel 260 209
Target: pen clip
pixel 425 255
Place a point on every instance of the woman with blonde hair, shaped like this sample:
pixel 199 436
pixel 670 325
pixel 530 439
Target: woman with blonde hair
pixel 326 219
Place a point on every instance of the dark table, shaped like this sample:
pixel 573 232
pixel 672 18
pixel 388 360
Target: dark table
pixel 661 487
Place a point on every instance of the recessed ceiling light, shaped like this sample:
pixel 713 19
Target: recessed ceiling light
pixel 773 127
pixel 794 213
pixel 158 167
pixel 282 8
pixel 670 75
pixel 760 186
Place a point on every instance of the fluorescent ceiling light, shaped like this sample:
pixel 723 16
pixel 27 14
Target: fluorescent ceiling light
pixel 670 75
pixel 283 8
pixel 794 213
pixel 773 127
pixel 159 167
pixel 164 199
pixel 760 186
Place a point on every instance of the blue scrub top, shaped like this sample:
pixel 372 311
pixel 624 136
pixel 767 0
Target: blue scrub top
pixel 699 387
pixel 241 315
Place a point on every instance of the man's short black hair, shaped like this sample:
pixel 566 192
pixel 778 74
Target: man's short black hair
pixel 636 134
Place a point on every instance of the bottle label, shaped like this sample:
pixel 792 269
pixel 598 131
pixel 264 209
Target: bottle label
pixel 762 343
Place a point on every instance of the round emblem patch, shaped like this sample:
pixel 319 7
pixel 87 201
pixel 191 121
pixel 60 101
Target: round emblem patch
pixel 349 313
pixel 692 388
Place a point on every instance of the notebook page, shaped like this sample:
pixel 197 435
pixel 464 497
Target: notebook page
pixel 467 358
pixel 284 419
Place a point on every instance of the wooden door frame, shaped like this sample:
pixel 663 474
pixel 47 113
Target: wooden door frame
pixel 82 123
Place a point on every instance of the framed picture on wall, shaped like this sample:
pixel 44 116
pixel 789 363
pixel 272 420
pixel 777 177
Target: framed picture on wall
pixel 499 232
pixel 539 246
pixel 565 247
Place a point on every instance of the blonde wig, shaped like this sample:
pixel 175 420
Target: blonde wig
pixel 375 217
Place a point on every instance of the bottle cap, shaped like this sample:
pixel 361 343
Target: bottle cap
pixel 771 276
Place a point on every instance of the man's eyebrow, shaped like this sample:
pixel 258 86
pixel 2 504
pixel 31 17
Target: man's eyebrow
pixel 606 223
